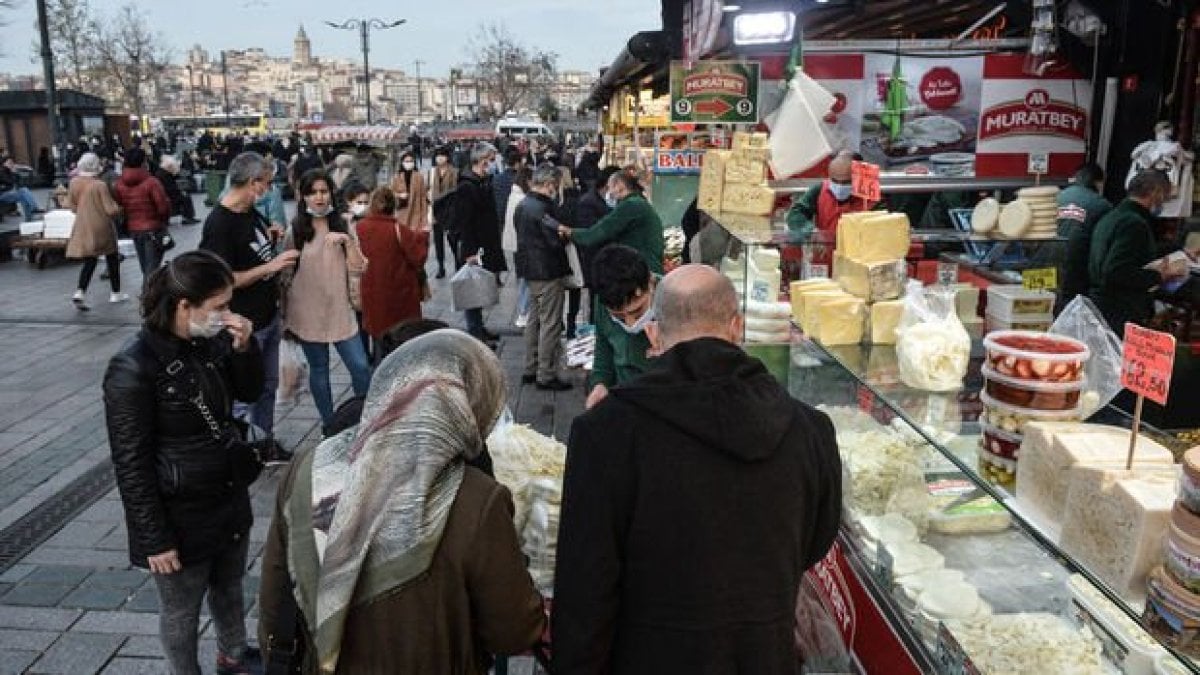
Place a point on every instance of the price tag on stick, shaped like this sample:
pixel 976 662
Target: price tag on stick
pixel 1146 363
pixel 864 181
pixel 1042 279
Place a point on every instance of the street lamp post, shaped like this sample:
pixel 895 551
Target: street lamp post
pixel 192 92
pixel 225 87
pixel 364 26
pixel 418 64
pixel 60 165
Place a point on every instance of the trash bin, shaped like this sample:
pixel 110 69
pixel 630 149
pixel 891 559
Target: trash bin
pixel 214 182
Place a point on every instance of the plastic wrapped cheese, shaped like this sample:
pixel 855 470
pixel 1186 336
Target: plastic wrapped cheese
pixel 933 356
pixel 1019 644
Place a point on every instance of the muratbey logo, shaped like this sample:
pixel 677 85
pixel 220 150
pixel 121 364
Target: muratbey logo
pixel 715 82
pixel 1037 115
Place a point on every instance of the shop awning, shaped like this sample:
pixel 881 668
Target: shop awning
pixel 376 135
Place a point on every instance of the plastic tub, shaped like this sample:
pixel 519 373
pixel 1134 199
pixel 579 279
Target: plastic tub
pixel 1027 355
pixel 1004 301
pixel 1172 613
pixel 1013 418
pixel 1030 322
pixel 1029 394
pixel 1181 550
pixel 1135 652
pixel 996 469
pixel 1189 480
pixel 1001 443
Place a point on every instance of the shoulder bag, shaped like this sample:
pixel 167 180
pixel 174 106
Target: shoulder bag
pixel 353 278
pixel 422 276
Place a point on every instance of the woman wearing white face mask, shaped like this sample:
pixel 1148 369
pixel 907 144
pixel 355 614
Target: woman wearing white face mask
pixel 168 399
pixel 412 201
pixel 319 309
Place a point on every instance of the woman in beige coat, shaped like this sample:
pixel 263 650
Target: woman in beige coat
pixel 93 234
pixel 412 201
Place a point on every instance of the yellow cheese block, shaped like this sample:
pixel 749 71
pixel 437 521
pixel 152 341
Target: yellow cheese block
pixel 752 154
pixel 797 289
pixel 745 139
pixel 850 219
pixel 809 302
pixel 870 281
pixel 877 238
pixel 712 180
pixel 840 322
pixel 753 200
pixel 885 316
pixel 740 169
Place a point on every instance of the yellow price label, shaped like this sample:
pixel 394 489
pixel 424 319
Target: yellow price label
pixel 1044 279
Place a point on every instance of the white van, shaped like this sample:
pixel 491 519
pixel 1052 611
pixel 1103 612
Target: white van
pixel 519 127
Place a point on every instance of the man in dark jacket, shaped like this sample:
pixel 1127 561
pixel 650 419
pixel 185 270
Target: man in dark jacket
pixel 1080 207
pixel 146 208
pixel 503 181
pixel 589 210
pixel 694 499
pixel 181 204
pixel 542 262
pixel 633 222
pixel 1122 246
pixel 474 225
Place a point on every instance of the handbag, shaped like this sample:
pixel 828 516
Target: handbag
pixel 576 279
pixel 285 651
pixel 353 284
pixel 246 449
pixel 164 240
pixel 422 277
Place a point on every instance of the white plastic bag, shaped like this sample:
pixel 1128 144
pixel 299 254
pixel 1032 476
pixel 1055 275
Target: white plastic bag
pixel 576 278
pixel 473 287
pixel 1081 319
pixel 293 372
pixel 933 348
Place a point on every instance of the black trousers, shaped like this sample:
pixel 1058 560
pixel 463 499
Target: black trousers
pixel 112 261
pixel 439 244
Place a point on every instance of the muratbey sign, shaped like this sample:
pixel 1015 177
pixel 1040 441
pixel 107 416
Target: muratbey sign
pixel 715 91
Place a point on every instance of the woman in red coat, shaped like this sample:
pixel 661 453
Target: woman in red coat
pixel 391 286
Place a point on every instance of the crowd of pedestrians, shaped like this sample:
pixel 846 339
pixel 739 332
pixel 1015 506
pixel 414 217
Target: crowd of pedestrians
pixel 392 548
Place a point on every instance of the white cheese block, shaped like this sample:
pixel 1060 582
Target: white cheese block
pixel 753 200
pixel 877 238
pixel 712 180
pixel 1015 219
pixel 1050 449
pixel 747 140
pixel 871 281
pixel 966 300
pixel 840 322
pixel 1115 521
pixel 885 316
pixel 986 216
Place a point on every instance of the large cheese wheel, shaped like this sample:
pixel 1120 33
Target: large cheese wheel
pixel 985 216
pixel 1015 219
pixel 1040 191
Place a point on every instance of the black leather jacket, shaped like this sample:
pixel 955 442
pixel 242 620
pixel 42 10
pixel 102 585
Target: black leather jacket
pixel 175 477
pixel 540 253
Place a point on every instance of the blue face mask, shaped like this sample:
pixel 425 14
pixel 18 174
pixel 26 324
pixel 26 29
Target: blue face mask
pixel 840 191
pixel 1156 211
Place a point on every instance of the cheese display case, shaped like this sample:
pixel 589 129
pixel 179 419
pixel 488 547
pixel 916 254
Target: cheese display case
pixel 990 525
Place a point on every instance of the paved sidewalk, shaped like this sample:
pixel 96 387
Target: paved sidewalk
pixel 74 604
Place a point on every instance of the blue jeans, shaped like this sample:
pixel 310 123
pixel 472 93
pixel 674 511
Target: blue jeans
pixel 317 355
pixel 522 296
pixel 261 413
pixel 149 253
pixel 21 196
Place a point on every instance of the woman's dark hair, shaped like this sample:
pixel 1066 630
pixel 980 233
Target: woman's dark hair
pixel 606 173
pixel 302 225
pixel 383 201
pixel 407 154
pixel 630 182
pixel 618 273
pixel 353 189
pixel 1088 175
pixel 194 276
pixel 395 337
pixel 443 150
pixel 524 175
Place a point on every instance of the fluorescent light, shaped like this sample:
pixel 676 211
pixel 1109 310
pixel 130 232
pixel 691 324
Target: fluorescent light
pixel 731 8
pixel 763 28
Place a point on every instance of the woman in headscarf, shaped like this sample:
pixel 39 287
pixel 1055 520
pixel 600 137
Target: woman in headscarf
pixel 94 234
pixel 343 169
pixel 400 557
pixel 412 199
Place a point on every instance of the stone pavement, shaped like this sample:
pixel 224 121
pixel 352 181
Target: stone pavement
pixel 73 604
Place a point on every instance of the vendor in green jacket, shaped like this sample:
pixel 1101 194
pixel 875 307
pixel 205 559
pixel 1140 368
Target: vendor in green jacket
pixel 624 290
pixel 1080 207
pixel 1122 246
pixel 632 222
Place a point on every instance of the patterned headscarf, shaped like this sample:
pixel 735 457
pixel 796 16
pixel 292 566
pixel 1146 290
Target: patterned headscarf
pixel 380 493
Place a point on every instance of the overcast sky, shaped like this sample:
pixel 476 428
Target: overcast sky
pixel 586 35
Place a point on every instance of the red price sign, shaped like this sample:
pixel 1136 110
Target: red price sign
pixel 864 181
pixel 1148 359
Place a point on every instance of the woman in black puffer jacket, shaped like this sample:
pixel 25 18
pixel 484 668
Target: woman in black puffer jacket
pixel 168 399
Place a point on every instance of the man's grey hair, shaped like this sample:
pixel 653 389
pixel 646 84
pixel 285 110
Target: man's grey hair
pixel 1149 181
pixel 246 167
pixel 546 174
pixel 694 300
pixel 482 151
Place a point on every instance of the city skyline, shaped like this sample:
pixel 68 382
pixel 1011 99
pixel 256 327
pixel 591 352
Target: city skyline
pixel 551 25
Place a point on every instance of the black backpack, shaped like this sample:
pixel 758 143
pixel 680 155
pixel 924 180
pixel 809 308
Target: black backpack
pixel 443 209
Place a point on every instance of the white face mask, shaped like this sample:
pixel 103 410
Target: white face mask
pixel 610 200
pixel 210 327
pixel 638 326
pixel 359 210
pixel 440 159
pixel 320 213
pixel 409 165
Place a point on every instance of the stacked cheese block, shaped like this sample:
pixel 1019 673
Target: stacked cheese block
pixel 1072 482
pixel 1028 377
pixel 1033 215
pixel 860 303
pixel 735 181
pixel 1174 588
pixel 1013 307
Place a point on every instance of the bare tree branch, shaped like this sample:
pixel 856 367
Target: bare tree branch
pixel 131 56
pixel 512 75
pixel 73 41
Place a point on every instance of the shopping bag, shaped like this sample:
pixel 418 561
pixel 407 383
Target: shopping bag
pixel 576 278
pixel 473 287
pixel 293 372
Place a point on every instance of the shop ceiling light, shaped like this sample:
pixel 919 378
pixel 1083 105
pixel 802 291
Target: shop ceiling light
pixel 731 8
pixel 761 28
